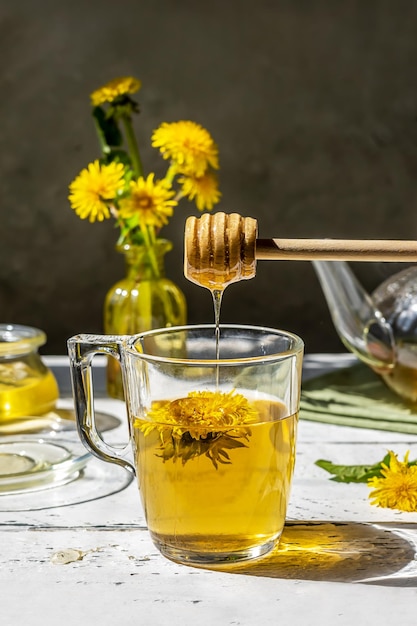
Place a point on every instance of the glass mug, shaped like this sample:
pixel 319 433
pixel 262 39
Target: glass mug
pixel 213 439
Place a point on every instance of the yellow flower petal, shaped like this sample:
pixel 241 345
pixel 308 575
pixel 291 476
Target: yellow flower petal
pixel 152 201
pixel 188 144
pixel 95 188
pixel 203 189
pixel 200 413
pixel 396 488
pixel 116 87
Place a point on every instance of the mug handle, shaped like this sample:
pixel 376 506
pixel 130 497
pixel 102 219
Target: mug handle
pixel 81 350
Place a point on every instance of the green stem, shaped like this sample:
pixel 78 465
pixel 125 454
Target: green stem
pixel 144 304
pixel 149 240
pixel 133 147
pixel 105 148
pixel 171 173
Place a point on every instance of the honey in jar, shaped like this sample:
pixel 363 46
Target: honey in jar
pixel 27 386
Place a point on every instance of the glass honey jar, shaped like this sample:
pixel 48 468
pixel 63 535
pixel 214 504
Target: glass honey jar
pixel 27 386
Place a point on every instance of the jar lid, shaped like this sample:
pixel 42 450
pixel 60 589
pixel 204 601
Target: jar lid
pixel 16 339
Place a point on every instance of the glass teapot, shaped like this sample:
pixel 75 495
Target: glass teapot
pixel 380 329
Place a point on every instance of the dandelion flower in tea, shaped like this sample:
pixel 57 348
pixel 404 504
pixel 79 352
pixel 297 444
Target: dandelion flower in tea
pixel 204 423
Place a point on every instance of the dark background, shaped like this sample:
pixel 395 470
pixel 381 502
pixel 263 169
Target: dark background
pixel 313 105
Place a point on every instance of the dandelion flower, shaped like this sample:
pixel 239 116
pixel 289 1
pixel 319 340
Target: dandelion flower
pixel 151 201
pixel 204 189
pixel 201 412
pixel 95 188
pixel 116 87
pixel 396 488
pixel 187 144
pixel 209 423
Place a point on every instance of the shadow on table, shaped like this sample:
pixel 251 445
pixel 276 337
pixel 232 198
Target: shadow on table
pixel 380 554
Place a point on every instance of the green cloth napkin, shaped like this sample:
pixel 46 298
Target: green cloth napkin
pixel 356 396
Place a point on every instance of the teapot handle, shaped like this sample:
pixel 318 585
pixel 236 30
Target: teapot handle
pixel 360 325
pixel 81 351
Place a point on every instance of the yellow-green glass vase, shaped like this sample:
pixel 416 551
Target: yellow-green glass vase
pixel 145 299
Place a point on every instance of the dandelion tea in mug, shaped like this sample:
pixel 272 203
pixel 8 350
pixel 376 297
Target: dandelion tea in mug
pixel 220 484
pixel 213 413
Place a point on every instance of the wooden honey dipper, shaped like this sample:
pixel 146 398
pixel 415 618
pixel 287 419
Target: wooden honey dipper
pixel 221 248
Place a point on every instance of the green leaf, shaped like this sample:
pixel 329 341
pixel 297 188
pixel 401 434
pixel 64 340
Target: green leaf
pixel 117 156
pixel 351 473
pixel 355 473
pixel 122 106
pixel 186 448
pixel 107 128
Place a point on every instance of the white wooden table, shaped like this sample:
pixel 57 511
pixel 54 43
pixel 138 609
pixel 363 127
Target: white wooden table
pixel 341 560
